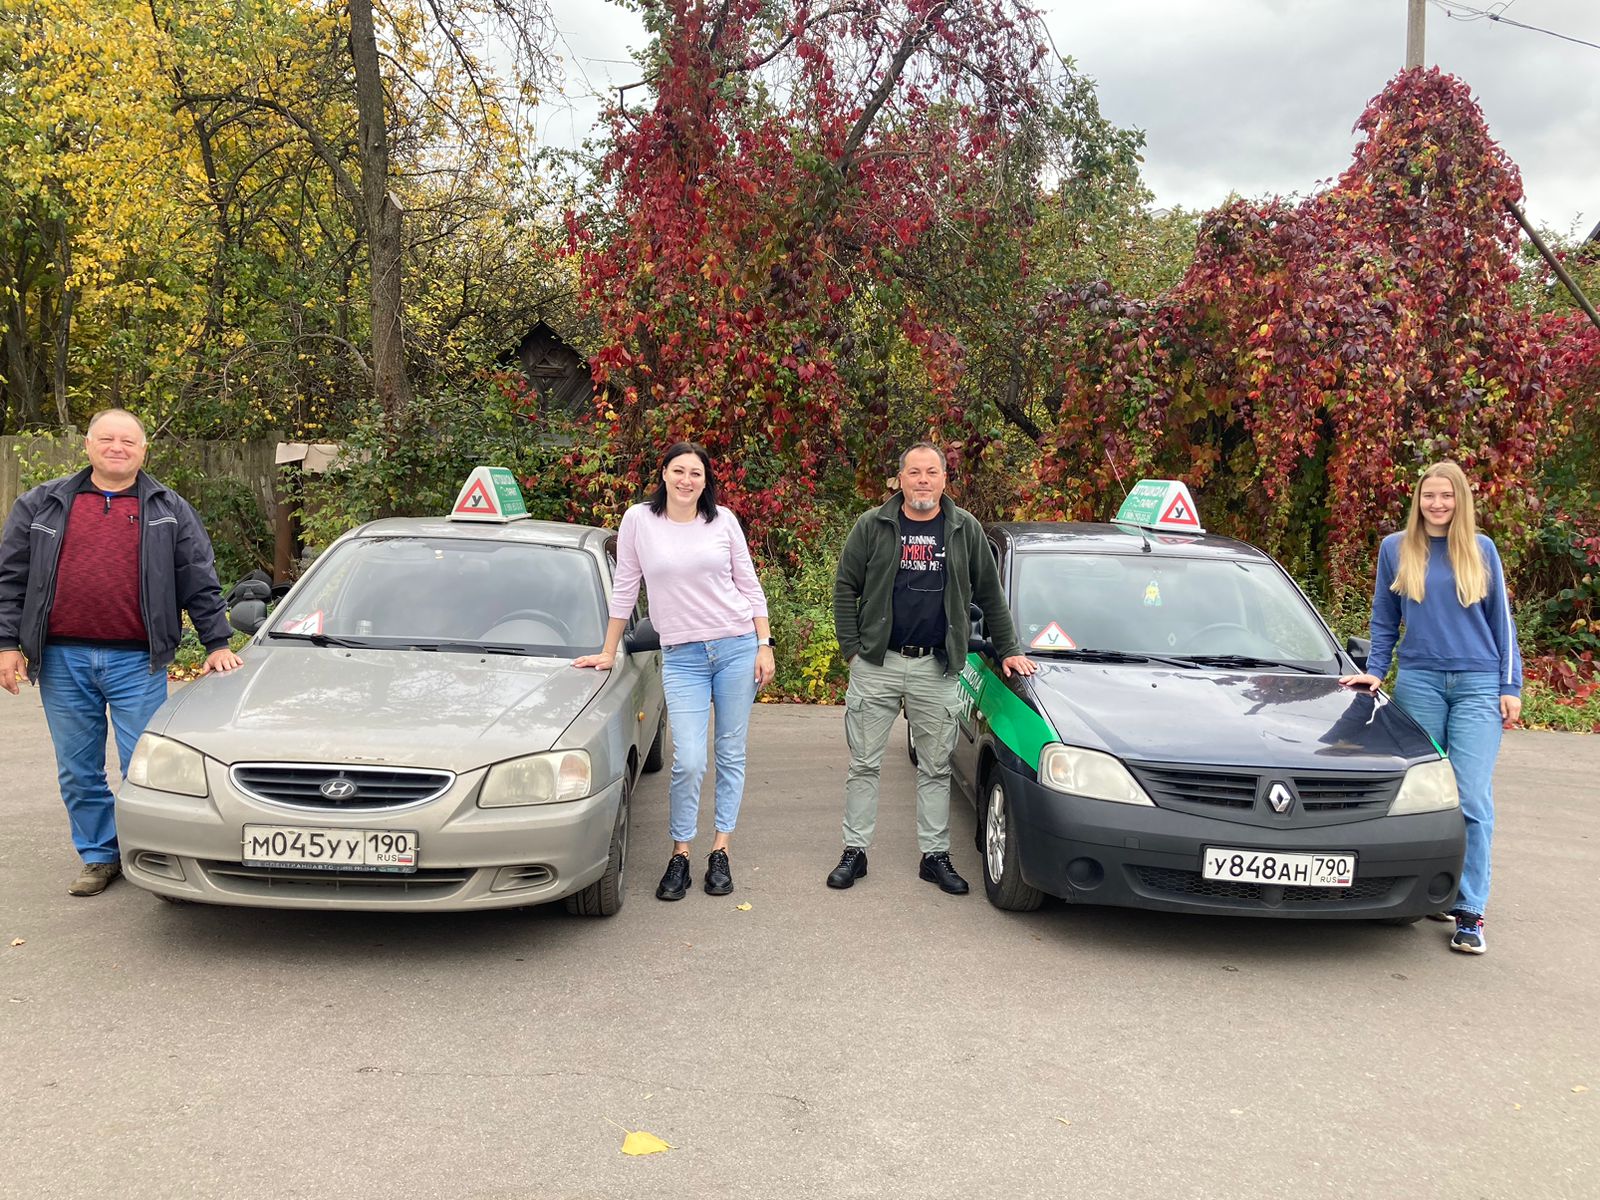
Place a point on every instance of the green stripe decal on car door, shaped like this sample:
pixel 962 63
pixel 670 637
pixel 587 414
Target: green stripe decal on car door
pixel 1023 730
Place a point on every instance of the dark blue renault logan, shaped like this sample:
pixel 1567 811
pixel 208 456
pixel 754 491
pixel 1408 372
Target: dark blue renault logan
pixel 1185 744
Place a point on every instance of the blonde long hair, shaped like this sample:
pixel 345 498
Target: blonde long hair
pixel 1466 557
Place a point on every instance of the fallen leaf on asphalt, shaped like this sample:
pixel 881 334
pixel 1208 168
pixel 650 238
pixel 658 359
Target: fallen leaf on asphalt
pixel 640 1142
pixel 745 907
pixel 1578 1087
pixel 1238 1112
pixel 19 941
pixel 647 1095
pixel 1064 1121
pixel 1518 1107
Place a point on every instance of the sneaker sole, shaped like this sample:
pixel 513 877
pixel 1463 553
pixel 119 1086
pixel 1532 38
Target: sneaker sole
pixel 662 894
pixel 1468 949
pixel 719 891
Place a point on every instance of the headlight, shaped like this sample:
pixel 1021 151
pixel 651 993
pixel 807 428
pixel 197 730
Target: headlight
pixel 163 765
pixel 1427 787
pixel 536 779
pixel 1089 773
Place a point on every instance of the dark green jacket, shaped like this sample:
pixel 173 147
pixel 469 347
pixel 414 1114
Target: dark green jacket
pixel 863 589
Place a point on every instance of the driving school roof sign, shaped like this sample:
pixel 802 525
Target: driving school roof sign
pixel 1160 504
pixel 490 494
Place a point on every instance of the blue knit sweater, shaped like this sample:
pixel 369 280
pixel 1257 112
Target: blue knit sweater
pixel 1441 635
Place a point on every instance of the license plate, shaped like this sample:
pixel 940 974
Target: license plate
pixel 1334 869
pixel 391 850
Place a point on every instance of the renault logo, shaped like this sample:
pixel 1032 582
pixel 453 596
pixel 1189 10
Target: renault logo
pixel 340 788
pixel 1278 795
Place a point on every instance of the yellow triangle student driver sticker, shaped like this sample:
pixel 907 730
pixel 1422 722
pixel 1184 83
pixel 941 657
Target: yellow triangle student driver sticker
pixel 1053 637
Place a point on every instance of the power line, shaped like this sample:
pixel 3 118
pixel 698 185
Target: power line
pixel 1457 11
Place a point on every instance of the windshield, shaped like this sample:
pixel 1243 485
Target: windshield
pixel 1174 607
pixel 450 593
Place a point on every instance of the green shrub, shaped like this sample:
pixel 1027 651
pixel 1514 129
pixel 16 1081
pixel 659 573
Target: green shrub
pixel 800 602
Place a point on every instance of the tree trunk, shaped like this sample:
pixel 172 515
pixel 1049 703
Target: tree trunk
pixel 63 338
pixel 383 217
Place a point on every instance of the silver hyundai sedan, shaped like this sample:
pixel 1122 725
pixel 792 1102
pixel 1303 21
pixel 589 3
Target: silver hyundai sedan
pixel 408 732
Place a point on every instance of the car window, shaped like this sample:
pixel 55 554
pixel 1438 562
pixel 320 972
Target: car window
pixel 1143 604
pixel 452 590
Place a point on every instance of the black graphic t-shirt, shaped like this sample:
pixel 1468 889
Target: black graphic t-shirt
pixel 919 585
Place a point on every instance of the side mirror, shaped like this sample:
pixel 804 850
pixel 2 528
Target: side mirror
pixel 642 637
pixel 247 616
pixel 980 645
pixel 975 615
pixel 1359 649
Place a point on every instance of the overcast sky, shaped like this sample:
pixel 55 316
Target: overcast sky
pixel 1259 96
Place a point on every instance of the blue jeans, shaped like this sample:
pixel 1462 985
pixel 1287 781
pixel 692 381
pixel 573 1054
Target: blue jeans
pixel 77 684
pixel 1461 711
pixel 696 676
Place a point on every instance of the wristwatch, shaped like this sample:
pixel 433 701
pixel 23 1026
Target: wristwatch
pixel 767 641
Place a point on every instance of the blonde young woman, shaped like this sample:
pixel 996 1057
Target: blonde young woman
pixel 1460 671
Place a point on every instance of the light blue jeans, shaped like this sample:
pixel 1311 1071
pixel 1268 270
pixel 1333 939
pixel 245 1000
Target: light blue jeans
pixel 77 685
pixel 1461 711
pixel 697 676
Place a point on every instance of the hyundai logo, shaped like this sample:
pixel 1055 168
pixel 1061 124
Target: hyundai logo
pixel 340 788
pixel 1278 795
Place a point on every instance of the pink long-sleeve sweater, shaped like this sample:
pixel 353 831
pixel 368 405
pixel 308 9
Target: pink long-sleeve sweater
pixel 702 583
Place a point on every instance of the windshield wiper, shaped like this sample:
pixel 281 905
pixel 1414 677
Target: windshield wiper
pixel 1247 660
pixel 480 648
pixel 322 639
pixel 1111 656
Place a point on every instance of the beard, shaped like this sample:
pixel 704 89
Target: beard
pixel 922 505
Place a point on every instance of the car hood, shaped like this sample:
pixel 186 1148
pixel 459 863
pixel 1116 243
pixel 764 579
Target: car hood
pixel 1304 722
pixel 407 708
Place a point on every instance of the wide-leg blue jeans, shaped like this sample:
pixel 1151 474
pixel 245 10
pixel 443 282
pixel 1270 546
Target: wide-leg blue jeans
pixel 697 676
pixel 1461 711
pixel 78 685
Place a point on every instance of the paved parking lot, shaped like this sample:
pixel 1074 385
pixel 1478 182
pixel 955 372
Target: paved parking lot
pixel 886 1041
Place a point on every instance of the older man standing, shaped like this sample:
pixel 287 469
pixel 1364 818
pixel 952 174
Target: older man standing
pixel 94 570
pixel 907 574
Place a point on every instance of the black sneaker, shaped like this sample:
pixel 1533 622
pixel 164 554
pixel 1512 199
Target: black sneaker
pixel 719 878
pixel 937 868
pixel 1469 934
pixel 852 866
pixel 674 884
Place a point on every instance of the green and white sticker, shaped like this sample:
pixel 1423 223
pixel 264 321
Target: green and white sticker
pixel 1160 504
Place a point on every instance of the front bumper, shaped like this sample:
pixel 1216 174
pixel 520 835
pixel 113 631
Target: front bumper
pixel 1098 852
pixel 189 848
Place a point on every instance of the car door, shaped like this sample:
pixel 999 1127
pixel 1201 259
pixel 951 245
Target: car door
pixel 643 668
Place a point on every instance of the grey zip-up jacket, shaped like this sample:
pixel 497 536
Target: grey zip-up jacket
pixel 177 570
pixel 863 588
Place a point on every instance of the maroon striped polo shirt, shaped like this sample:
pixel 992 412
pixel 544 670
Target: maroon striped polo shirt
pixel 97 575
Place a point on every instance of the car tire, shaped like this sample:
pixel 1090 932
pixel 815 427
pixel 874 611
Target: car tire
pixel 657 755
pixel 998 846
pixel 603 897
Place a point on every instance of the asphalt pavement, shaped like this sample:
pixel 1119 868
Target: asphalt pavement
pixel 880 1042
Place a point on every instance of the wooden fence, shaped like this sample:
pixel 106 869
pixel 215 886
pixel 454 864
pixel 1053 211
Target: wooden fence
pixel 249 462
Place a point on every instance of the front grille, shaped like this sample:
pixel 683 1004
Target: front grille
pixel 1226 789
pixel 1344 793
pixel 299 785
pixel 367 885
pixel 1191 883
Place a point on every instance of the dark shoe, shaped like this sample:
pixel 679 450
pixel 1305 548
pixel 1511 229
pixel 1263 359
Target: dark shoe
pixel 937 868
pixel 719 878
pixel 1469 934
pixel 94 878
pixel 674 884
pixel 852 866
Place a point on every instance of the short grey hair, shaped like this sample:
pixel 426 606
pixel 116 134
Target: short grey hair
pixel 115 412
pixel 944 463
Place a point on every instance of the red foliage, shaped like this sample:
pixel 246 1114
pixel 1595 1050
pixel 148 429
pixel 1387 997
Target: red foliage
pixel 1317 353
pixel 791 159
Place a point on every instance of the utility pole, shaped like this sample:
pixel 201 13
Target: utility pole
pixel 1414 16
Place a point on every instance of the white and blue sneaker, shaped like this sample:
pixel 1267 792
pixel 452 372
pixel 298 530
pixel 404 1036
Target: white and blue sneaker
pixel 1469 934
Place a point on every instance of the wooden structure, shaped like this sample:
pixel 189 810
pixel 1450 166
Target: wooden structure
pixel 557 371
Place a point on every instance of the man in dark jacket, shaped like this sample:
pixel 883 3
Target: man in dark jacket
pixel 94 568
pixel 908 573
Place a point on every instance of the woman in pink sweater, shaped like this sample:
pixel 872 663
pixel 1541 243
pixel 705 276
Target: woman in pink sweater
pixel 716 645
